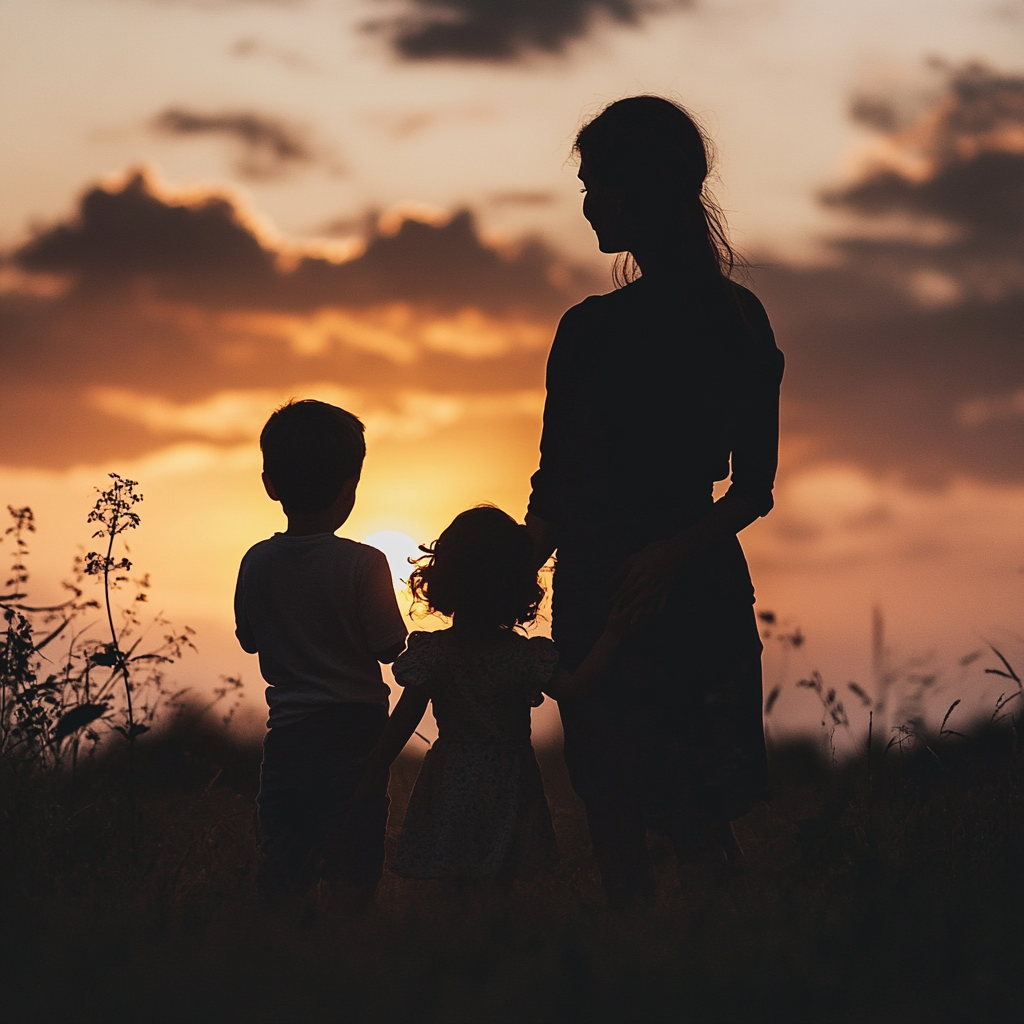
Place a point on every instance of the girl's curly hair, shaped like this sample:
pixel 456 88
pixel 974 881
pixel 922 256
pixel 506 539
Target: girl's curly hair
pixel 482 565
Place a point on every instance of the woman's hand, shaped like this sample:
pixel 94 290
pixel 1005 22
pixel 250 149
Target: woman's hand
pixel 646 579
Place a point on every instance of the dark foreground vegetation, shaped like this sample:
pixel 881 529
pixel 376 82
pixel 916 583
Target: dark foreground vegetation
pixel 886 887
pixel 891 898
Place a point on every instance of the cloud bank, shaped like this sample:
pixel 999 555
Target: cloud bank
pixel 180 296
pixel 206 248
pixel 904 352
pixel 920 316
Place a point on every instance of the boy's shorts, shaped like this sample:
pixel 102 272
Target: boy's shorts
pixel 308 826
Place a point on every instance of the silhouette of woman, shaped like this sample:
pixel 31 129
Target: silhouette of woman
pixel 654 392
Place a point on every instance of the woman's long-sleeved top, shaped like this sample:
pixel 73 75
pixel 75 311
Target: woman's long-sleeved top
pixel 653 394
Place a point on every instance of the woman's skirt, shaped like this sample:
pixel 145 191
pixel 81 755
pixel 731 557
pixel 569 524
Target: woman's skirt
pixel 676 726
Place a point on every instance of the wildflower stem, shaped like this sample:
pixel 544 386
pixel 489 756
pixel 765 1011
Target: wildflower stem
pixel 121 663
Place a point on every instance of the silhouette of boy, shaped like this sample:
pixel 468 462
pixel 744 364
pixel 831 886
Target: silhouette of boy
pixel 321 613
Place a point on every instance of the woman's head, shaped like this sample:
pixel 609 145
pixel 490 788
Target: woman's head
pixel 481 568
pixel 644 162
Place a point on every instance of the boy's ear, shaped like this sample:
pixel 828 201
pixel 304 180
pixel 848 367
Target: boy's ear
pixel 269 486
pixel 350 485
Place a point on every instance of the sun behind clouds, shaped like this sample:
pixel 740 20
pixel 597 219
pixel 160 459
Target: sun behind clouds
pixel 398 549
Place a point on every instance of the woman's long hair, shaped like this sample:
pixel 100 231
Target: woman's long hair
pixel 656 153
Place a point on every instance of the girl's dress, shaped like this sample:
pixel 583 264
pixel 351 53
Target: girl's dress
pixel 478 807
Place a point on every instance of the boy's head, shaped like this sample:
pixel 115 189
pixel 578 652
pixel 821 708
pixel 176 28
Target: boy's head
pixel 311 450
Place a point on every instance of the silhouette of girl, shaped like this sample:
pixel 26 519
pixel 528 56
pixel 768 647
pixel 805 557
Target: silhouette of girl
pixel 654 392
pixel 478 810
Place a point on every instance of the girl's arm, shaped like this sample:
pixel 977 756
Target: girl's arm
pixel 595 664
pixel 408 713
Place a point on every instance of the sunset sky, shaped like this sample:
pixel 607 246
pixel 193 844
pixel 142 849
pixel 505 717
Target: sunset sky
pixel 210 206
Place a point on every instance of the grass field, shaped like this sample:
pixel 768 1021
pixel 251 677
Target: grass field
pixel 902 899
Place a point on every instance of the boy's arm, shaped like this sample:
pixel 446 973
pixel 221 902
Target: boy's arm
pixel 243 631
pixel 401 725
pixel 379 614
pixel 595 664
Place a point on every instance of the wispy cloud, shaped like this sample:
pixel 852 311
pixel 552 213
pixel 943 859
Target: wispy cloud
pixel 957 164
pixel 836 514
pixel 238 415
pixel 523 197
pixel 397 331
pixel 220 5
pixel 504 30
pixel 981 411
pixel 404 124
pixel 252 46
pixel 269 147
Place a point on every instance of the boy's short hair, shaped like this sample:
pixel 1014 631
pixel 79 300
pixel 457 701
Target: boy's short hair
pixel 309 450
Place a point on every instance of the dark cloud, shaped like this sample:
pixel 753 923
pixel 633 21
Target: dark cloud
pixel 503 30
pixel 878 112
pixel 124 232
pixel 205 250
pixel 960 166
pixel 268 147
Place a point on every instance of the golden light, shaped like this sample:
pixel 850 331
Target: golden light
pixel 398 548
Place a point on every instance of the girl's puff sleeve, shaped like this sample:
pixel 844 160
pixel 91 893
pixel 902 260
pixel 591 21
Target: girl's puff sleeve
pixel 415 667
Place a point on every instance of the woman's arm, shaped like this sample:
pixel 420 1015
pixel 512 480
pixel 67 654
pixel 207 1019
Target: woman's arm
pixel 646 579
pixel 561 426
pixel 543 536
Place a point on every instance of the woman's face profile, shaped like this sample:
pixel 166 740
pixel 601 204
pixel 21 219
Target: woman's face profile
pixel 603 208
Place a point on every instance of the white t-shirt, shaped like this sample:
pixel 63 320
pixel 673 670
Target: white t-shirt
pixel 317 609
